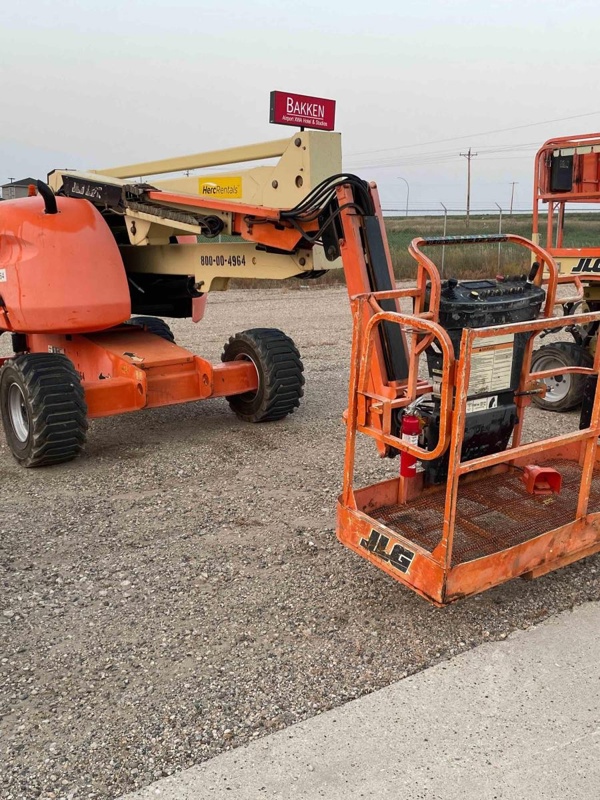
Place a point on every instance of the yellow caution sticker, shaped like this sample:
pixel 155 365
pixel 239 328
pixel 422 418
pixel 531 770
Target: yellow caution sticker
pixel 221 188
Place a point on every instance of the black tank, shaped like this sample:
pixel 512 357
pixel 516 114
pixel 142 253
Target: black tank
pixel 491 410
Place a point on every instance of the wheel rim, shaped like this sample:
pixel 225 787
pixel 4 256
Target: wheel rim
pixel 558 385
pixel 246 357
pixel 17 409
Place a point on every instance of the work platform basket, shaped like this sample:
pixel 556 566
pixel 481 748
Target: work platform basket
pixel 497 516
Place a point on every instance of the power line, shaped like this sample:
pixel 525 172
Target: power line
pixel 434 162
pixel 472 135
pixel 439 156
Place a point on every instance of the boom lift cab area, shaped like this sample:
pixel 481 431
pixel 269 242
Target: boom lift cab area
pixel 567 172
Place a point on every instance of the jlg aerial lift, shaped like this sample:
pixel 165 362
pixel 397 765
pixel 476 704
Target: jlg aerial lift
pixel 567 171
pixel 471 507
pixel 91 248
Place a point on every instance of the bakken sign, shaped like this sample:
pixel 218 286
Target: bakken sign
pixel 302 111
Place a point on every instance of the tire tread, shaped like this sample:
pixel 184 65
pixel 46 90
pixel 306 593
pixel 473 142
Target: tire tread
pixel 281 369
pixel 58 411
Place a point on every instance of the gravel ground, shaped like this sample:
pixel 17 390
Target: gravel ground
pixel 179 590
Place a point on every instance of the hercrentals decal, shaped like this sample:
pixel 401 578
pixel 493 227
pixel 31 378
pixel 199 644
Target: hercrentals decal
pixel 222 188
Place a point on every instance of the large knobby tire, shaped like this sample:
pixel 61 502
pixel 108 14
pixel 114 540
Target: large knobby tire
pixel 43 409
pixel 564 391
pixel 279 369
pixel 154 325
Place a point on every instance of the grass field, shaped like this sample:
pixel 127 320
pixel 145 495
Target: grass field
pixel 466 261
pixel 581 230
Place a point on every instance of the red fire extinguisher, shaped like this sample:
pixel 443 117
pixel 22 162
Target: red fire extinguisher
pixel 410 430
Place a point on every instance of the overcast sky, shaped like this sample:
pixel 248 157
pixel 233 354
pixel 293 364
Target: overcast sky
pixel 93 83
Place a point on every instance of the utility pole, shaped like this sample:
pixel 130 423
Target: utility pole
pixel 512 195
pixel 499 234
pixel 444 234
pixel 469 155
pixel 400 178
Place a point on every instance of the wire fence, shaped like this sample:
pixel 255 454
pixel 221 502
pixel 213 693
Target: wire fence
pixel 580 230
pixel 460 211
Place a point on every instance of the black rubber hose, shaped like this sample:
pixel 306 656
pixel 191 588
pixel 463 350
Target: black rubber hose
pixel 49 198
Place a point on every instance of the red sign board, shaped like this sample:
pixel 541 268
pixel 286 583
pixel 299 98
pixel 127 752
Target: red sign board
pixel 302 111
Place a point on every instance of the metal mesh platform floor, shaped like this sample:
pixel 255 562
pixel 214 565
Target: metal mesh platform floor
pixel 492 514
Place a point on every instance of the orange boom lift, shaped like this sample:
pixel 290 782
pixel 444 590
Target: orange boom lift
pixel 87 250
pixel 471 505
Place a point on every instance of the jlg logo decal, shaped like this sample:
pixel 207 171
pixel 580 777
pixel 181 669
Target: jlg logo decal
pixel 587 265
pixel 399 557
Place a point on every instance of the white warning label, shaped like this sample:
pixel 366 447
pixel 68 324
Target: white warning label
pixel 482 404
pixel 491 364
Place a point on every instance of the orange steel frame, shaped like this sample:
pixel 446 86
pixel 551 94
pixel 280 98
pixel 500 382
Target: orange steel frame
pixel 433 574
pixel 146 371
pixel 586 190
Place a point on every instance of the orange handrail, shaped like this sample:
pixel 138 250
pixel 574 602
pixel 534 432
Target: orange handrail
pixel 446 394
pixel 427 264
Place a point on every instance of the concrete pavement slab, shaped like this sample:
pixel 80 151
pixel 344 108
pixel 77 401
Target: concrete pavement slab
pixel 512 719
